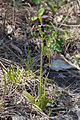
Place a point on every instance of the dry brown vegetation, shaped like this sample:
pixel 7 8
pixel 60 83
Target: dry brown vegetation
pixel 17 31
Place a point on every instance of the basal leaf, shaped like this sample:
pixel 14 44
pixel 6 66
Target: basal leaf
pixel 44 103
pixel 40 91
pixel 28 97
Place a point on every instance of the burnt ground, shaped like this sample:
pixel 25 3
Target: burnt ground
pixel 15 34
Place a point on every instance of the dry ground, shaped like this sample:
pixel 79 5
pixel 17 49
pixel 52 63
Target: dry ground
pixel 15 33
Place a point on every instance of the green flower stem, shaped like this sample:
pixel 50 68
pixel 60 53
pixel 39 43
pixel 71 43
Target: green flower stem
pixel 40 20
pixel 42 50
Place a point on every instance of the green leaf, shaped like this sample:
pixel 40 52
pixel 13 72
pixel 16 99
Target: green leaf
pixel 58 92
pixel 57 48
pixel 40 12
pixel 50 111
pixel 37 107
pixel 34 18
pixel 40 91
pixel 44 103
pixel 28 97
pixel 33 33
pixel 36 2
pixel 38 103
pixel 76 59
pixel 41 100
pixel 30 58
pixel 51 24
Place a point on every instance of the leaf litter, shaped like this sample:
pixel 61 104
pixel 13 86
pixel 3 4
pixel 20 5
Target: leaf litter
pixel 13 47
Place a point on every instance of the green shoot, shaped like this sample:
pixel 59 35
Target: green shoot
pixel 42 100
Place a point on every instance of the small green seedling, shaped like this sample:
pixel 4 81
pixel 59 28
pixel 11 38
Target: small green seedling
pixel 54 42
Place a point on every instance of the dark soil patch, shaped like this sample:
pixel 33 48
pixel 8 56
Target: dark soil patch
pixel 67 79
